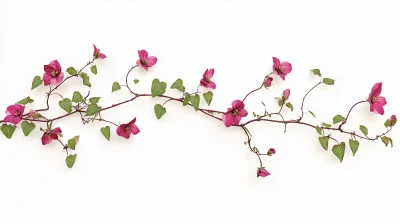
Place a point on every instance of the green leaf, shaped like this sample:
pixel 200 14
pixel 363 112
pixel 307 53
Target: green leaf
pixel 328 81
pixel 92 110
pixel 338 150
pixel 289 105
pixel 326 125
pixel 159 110
pixel 25 101
pixel 86 79
pixel 77 97
pixel 280 103
pixel 195 100
pixel 106 132
pixel 178 84
pixel 354 144
pixel 73 142
pixel 386 140
pixel 8 130
pixel 70 160
pixel 388 123
pixel 115 86
pixel 186 99
pixel 37 81
pixel 93 69
pixel 66 104
pixel 316 72
pixel 94 100
pixel 338 118
pixel 27 127
pixel 72 71
pixel 136 81
pixel 208 96
pixel 278 98
pixel 254 114
pixel 319 130
pixel 324 140
pixel 158 88
pixel 312 113
pixel 364 130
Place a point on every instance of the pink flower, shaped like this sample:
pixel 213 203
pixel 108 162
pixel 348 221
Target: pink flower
pixel 281 69
pixel 97 53
pixel 206 80
pixel 271 151
pixel 125 130
pixel 286 93
pixel 234 114
pixel 53 73
pixel 14 113
pixel 268 82
pixel 393 120
pixel 145 60
pixel 50 135
pixel 33 114
pixel 376 102
pixel 262 172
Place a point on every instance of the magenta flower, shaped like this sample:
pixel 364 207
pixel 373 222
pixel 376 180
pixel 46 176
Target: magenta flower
pixel 234 114
pixel 53 73
pixel 206 80
pixel 97 53
pixel 145 60
pixel 286 93
pixel 14 113
pixel 281 68
pixel 268 82
pixel 376 102
pixel 262 172
pixel 393 120
pixel 50 135
pixel 125 130
pixel 271 151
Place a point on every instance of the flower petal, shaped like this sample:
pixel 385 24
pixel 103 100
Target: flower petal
pixel 56 131
pixel 46 139
pixel 376 89
pixel 378 109
pixel 212 85
pixel 12 110
pixel 94 50
pixel 59 77
pixel 209 73
pixel 48 68
pixel 151 61
pixel 135 130
pixel 47 79
pixel 286 93
pixel 243 112
pixel 143 54
pixel 227 118
pixel 381 100
pixel 56 65
pixel 102 56
pixel 9 118
pixel 281 75
pixel 203 82
pixel 236 119
pixel 286 67
pixel 276 62
pixel 237 104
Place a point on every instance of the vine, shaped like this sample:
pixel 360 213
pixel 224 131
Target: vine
pixel 89 109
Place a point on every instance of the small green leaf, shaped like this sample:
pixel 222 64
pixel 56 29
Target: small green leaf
pixel 312 113
pixel 178 84
pixel 289 105
pixel 115 86
pixel 316 72
pixel 94 100
pixel 364 130
pixel 136 81
pixel 70 160
pixel 8 130
pixel 93 69
pixel 254 114
pixel 324 140
pixel 328 81
pixel 106 132
pixel 245 143
pixel 86 79
pixel 354 144
pixel 92 110
pixel 25 101
pixel 77 97
pixel 338 118
pixel 37 81
pixel 159 110
pixel 326 125
pixel 186 99
pixel 388 123
pixel 73 142
pixel 208 96
pixel 386 140
pixel 72 71
pixel 339 150
pixel 280 103
pixel 319 130
pixel 158 88
pixel 195 100
pixel 27 127
pixel 66 104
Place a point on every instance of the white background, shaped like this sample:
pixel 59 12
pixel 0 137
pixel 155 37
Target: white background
pixel 187 167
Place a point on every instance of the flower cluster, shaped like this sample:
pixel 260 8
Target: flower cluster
pixel 90 110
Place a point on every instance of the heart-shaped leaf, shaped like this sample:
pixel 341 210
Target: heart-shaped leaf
pixel 27 127
pixel 66 104
pixel 178 84
pixel 94 100
pixel 316 72
pixel 72 71
pixel 186 99
pixel 328 81
pixel 208 96
pixel 92 110
pixel 158 88
pixel 77 97
pixel 93 69
pixel 25 101
pixel 354 144
pixel 115 87
pixel 195 100
pixel 159 110
pixel 37 81
pixel 339 150
pixel 338 118
pixel 70 160
pixel 364 130
pixel 86 79
pixel 8 130
pixel 73 142
pixel 324 140
pixel 106 132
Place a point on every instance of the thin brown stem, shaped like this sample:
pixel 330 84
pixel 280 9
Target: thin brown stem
pixel 348 114
pixel 126 79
